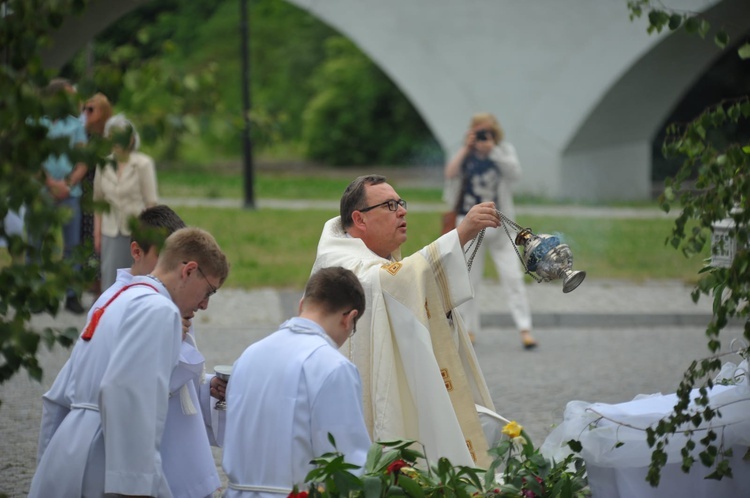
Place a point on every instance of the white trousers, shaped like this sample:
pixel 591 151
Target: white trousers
pixel 509 268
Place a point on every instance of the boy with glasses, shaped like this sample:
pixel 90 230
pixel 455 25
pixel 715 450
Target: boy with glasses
pixel 117 419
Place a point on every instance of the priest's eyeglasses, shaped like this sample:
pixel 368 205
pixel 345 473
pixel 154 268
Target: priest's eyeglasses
pixel 392 204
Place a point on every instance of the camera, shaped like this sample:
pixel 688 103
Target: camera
pixel 482 135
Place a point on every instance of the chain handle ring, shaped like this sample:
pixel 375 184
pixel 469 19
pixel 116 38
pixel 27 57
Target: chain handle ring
pixel 480 236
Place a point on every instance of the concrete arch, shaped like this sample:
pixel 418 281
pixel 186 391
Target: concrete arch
pixel 641 100
pixel 579 88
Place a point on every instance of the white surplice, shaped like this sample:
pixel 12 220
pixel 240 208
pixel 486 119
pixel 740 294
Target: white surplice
pixel 287 392
pixel 421 379
pixel 188 434
pixel 104 416
pixel 186 454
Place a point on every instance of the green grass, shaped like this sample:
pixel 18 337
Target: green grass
pixel 266 248
pixel 276 248
pixel 229 184
pixel 621 248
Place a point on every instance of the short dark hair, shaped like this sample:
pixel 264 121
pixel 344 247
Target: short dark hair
pixel 154 225
pixel 354 197
pixel 335 289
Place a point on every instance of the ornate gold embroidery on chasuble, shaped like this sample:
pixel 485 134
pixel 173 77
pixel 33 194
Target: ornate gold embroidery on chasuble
pixel 471 450
pixel 446 379
pixel 430 305
pixel 393 268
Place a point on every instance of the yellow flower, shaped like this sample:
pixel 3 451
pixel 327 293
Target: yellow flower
pixel 512 429
pixel 410 472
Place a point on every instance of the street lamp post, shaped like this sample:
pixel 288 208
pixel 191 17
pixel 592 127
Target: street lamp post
pixel 247 148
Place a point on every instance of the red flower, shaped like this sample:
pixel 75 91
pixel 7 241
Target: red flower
pixel 527 493
pixel 301 494
pixel 396 466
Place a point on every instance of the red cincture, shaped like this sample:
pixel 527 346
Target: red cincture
pixel 88 331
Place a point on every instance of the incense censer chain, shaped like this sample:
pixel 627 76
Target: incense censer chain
pixel 480 237
pixel 544 254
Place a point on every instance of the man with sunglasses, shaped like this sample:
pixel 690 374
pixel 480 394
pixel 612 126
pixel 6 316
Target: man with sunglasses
pixel 420 377
pixel 306 388
pixel 105 421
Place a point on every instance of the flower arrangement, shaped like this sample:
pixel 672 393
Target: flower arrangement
pixel 395 468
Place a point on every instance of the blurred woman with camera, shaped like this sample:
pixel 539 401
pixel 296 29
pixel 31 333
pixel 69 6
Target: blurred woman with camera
pixel 484 169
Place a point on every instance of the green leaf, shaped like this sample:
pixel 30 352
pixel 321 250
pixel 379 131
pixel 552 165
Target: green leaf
pixel 721 39
pixel 372 486
pixel 706 458
pixel 744 51
pixel 395 491
pixel 397 443
pixel 675 21
pixel 411 455
pixel 528 446
pixel 704 28
pixel 373 456
pixel 142 36
pixel 410 486
pixel 575 445
pixel 346 482
pixel 692 24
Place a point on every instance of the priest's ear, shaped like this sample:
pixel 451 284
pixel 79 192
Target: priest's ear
pixel 358 220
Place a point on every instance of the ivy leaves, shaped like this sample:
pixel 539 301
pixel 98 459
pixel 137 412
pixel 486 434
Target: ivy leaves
pixel 667 19
pixel 719 194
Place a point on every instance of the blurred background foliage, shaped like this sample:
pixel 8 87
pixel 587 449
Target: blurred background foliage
pixel 174 68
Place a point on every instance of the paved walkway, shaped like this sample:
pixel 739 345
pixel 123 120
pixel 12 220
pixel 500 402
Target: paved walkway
pixel 605 341
pixel 566 210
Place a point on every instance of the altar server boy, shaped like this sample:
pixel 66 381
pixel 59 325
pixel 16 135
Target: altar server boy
pixel 105 434
pixel 288 391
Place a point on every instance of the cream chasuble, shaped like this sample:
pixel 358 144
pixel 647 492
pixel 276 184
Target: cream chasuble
pixel 420 376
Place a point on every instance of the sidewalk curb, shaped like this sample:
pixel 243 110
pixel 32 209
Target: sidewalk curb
pixel 289 301
pixel 613 320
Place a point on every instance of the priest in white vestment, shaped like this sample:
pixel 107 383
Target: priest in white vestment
pixel 421 379
pixel 107 411
pixel 289 391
